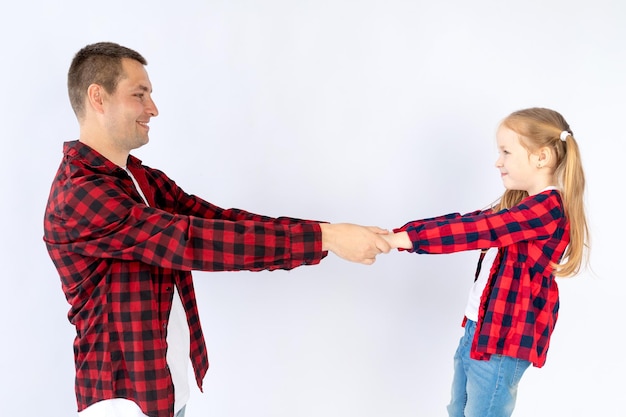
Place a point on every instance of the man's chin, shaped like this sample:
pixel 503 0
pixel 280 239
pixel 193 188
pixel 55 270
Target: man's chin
pixel 141 141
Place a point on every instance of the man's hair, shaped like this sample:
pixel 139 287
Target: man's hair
pixel 98 63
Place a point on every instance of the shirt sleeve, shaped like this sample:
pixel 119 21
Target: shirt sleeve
pixel 171 197
pixel 99 218
pixel 536 217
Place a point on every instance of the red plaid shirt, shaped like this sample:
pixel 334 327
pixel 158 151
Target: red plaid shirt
pixel 119 260
pixel 519 306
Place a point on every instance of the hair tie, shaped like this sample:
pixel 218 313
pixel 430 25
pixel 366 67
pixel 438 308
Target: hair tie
pixel 564 135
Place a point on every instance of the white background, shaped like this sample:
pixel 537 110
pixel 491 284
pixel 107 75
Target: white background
pixel 372 112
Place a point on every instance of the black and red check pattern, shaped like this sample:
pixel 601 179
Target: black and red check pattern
pixel 520 304
pixel 119 259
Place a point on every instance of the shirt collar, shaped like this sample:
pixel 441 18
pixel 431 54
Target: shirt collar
pixel 93 157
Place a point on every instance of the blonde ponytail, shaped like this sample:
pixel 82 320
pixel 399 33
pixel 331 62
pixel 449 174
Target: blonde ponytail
pixel 573 187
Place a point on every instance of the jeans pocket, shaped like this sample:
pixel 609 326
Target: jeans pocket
pixel 520 366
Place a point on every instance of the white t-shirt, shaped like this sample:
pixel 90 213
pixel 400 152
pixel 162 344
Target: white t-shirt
pixel 476 292
pixel 177 357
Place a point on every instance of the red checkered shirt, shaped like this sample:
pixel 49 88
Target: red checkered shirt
pixel 520 304
pixel 119 259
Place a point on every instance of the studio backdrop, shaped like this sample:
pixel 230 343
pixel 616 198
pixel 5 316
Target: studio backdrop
pixel 369 112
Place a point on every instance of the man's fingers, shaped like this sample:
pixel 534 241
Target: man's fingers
pixel 378 230
pixel 382 244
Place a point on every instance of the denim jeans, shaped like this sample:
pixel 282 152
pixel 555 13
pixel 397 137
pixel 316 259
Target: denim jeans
pixel 483 388
pixel 181 412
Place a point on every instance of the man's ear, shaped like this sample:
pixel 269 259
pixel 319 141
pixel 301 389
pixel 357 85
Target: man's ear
pixel 95 95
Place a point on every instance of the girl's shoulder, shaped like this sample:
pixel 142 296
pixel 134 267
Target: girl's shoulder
pixel 544 201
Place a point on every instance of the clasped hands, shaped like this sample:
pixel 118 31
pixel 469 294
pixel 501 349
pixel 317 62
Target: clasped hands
pixel 360 244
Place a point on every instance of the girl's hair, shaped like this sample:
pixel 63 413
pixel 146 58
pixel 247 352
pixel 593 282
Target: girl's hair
pixel 538 128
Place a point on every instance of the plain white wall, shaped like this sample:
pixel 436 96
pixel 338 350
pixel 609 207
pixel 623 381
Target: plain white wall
pixel 372 112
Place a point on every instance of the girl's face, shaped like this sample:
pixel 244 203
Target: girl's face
pixel 518 167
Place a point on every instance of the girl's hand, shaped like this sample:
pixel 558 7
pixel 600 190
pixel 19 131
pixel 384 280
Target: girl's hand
pixel 398 240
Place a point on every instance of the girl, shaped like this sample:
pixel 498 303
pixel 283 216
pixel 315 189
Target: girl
pixel 536 231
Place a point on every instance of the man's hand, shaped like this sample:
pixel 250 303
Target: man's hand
pixel 353 242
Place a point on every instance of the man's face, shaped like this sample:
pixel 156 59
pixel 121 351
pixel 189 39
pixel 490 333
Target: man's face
pixel 128 110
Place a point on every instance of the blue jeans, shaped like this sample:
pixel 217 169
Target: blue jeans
pixel 181 412
pixel 483 388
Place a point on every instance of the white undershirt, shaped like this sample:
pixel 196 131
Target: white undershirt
pixel 476 292
pixel 177 357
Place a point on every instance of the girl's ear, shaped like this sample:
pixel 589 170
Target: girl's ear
pixel 545 156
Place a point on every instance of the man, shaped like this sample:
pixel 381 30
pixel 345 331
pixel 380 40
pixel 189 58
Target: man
pixel 124 238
